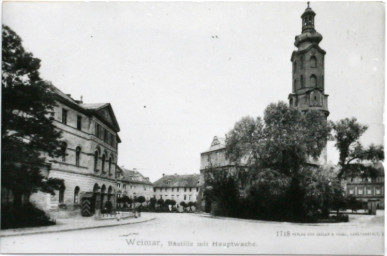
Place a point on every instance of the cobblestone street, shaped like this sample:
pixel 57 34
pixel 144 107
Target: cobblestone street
pixel 192 233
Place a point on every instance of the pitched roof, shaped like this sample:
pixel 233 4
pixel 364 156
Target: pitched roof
pixel 216 144
pixel 133 176
pixel 191 180
pixel 95 109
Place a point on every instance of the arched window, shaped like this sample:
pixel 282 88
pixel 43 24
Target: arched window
pixel 76 195
pixel 110 165
pixel 77 156
pixel 313 81
pixel 313 62
pixel 103 163
pixel 302 81
pixel 63 149
pixel 96 155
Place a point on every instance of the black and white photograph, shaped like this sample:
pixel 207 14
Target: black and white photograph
pixel 250 128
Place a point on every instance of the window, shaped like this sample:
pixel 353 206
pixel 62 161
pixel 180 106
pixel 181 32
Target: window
pixel 79 122
pixel 118 185
pixel 197 189
pixel 302 81
pixel 61 194
pixel 351 191
pixel 173 189
pixel 105 135
pixel 64 116
pixel 177 189
pixel 185 197
pixel 313 81
pixel 124 186
pixel 77 156
pixel 369 191
pixel 377 191
pixel 302 61
pixel 103 163
pixel 190 189
pixel 294 85
pixel 76 195
pixel 63 151
pixel 360 191
pixel 313 62
pixel 185 189
pixel 96 155
pixel 97 130
pixel 110 165
pixel 294 66
pixel 154 189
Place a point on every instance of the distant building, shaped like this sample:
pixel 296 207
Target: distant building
pixel 133 184
pixel 177 187
pixel 214 159
pixel 368 190
pixel 89 153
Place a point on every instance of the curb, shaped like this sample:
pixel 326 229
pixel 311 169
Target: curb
pixel 75 229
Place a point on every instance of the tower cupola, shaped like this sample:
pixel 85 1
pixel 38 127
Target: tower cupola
pixel 308 20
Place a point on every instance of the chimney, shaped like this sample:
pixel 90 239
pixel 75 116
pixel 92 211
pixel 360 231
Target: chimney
pixel 163 174
pixel 81 100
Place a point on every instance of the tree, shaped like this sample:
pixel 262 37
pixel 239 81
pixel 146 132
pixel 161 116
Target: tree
pixel 140 200
pixel 355 159
pixel 191 204
pixel 160 202
pixel 278 145
pixel 183 204
pixel 152 202
pixel 28 134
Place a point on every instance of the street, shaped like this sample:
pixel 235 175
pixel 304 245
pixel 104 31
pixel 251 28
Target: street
pixel 193 233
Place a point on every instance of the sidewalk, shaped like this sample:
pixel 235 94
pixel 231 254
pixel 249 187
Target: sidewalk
pixel 75 223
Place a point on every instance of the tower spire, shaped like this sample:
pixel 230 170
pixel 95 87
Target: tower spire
pixel 308 4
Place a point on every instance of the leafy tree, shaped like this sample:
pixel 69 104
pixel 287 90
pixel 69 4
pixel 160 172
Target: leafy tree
pixel 28 134
pixel 160 202
pixel 221 191
pixel 152 202
pixel 354 158
pixel 277 146
pixel 140 200
pixel 191 204
pixel 183 204
pixel 173 203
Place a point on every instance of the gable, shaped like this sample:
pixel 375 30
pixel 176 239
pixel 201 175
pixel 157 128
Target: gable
pixel 106 114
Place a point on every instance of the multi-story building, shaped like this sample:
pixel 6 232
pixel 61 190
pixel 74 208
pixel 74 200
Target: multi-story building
pixel 177 187
pixel 133 184
pixel 368 190
pixel 89 152
pixel 214 159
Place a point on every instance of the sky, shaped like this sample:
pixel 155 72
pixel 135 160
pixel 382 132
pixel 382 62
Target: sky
pixel 179 73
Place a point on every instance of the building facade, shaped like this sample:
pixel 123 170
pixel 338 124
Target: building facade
pixel 308 89
pixel 133 184
pixel 89 153
pixel 180 188
pixel 369 190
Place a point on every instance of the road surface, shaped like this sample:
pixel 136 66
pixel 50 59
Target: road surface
pixel 192 233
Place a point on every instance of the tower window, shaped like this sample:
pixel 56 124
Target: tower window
pixel 294 85
pixel 313 81
pixel 103 162
pixel 63 151
pixel 313 62
pixel 96 155
pixel 294 66
pixel 302 81
pixel 77 156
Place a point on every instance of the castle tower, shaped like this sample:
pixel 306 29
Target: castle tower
pixel 308 71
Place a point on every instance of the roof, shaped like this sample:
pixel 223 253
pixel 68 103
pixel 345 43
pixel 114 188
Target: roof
pixel 99 110
pixel 216 144
pixel 190 180
pixel 133 176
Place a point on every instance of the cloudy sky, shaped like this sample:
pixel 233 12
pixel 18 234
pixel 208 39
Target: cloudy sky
pixel 177 74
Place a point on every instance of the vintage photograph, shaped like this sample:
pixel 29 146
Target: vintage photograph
pixel 193 128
